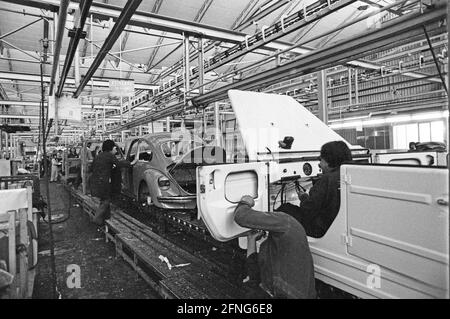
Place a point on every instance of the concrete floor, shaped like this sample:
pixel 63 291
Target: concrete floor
pixel 78 242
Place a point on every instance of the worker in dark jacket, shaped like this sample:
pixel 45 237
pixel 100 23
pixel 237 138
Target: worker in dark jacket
pixel 283 268
pixel 319 208
pixel 105 169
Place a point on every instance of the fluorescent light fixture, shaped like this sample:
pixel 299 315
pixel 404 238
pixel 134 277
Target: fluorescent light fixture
pixel 427 116
pixel 349 123
pixel 347 119
pixel 398 119
pixel 374 121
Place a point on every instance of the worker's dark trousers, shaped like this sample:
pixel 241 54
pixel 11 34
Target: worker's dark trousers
pixel 292 210
pixel 103 212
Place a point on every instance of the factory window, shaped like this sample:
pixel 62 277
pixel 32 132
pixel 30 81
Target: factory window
pixel 424 131
pixel 437 131
pixel 368 137
pixel 172 148
pixel 133 151
pixel 145 151
pixel 239 183
pixel 418 132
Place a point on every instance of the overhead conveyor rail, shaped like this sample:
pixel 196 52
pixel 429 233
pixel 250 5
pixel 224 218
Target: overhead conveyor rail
pixel 119 26
pixel 267 34
pixel 170 270
pixel 397 31
pixel 62 16
pixel 75 35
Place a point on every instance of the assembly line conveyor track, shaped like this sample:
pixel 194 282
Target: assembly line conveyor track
pixel 172 271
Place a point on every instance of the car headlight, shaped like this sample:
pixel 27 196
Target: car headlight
pixel 163 182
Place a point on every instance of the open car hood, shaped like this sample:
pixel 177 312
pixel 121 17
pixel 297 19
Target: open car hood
pixel 265 119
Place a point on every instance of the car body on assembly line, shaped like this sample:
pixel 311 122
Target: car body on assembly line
pixel 162 171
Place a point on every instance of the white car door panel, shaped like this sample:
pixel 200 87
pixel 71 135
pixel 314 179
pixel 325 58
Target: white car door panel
pixel 219 189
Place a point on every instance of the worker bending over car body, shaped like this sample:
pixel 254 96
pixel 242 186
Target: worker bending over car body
pixel 283 268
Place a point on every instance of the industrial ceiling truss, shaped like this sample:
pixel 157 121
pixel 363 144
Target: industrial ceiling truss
pixel 347 55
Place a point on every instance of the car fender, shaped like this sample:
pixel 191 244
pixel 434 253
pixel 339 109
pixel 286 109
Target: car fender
pixel 151 177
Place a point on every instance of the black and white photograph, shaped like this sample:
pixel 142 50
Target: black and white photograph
pixel 218 156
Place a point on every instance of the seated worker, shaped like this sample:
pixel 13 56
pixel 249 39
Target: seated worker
pixel 283 268
pixel 103 180
pixel 319 208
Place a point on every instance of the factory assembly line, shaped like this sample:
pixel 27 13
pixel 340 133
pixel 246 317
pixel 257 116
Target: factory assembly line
pixel 289 150
pixel 350 252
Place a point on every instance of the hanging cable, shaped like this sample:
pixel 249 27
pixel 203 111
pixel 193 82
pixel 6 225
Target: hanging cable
pixel 49 210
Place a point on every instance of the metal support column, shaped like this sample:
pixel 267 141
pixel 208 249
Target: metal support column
pixel 121 110
pixel 350 86
pixel 322 95
pixel 168 124
pixel 201 69
pixel 121 23
pixel 217 123
pixel 12 145
pixel 7 148
pixel 15 149
pixel 16 146
pixel 187 86
pixel 204 123
pixel 447 69
pixel 356 87
pixel 391 136
pixel 104 120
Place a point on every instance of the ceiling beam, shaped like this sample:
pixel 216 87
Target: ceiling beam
pixel 261 13
pixel 120 24
pixel 62 17
pixel 155 50
pixel 394 33
pixel 201 13
pixel 76 34
pixel 370 2
pixel 3 93
pixel 36 78
pixel 158 22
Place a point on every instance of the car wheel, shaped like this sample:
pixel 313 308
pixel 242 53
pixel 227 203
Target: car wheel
pixel 143 196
